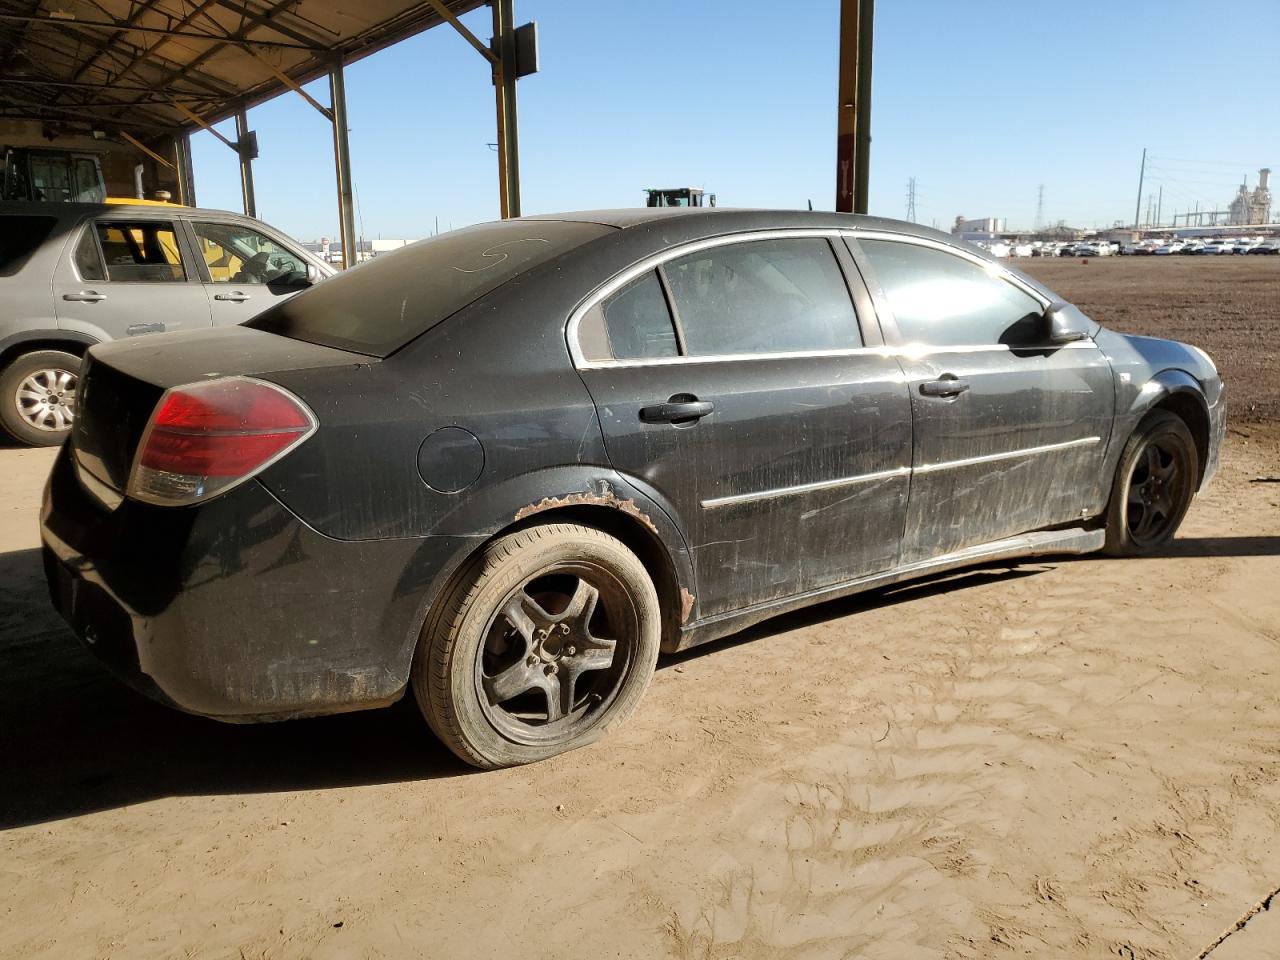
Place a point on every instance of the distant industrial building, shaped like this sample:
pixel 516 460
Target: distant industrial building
pixel 1251 207
pixel 985 229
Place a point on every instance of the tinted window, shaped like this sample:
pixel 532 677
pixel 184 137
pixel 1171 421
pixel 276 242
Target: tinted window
pixel 19 238
pixel 238 254
pixel 638 322
pixel 943 300
pixel 765 296
pixel 88 263
pixel 140 250
pixel 381 305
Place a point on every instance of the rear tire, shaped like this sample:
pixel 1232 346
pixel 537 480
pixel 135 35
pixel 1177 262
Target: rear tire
pixel 1153 487
pixel 38 397
pixel 545 640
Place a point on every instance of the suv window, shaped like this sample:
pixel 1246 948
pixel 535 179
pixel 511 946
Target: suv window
pixel 940 299
pixel 638 322
pixel 239 254
pixel 763 296
pixel 88 262
pixel 140 250
pixel 20 237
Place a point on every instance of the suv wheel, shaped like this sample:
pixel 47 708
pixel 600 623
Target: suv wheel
pixel 549 637
pixel 38 397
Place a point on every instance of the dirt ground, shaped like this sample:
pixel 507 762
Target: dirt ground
pixel 1229 306
pixel 1067 759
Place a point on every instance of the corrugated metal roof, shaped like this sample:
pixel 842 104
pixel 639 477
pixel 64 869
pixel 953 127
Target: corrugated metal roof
pixel 136 64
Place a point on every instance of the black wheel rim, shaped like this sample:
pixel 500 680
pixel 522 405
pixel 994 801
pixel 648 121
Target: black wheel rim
pixel 1157 491
pixel 556 653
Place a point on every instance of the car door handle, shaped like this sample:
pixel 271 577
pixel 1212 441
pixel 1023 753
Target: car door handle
pixel 236 297
pixel 85 296
pixel 675 410
pixel 944 387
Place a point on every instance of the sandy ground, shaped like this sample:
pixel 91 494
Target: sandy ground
pixel 1058 759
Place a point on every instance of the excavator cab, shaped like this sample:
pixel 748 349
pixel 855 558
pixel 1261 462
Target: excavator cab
pixel 679 197
pixel 51 175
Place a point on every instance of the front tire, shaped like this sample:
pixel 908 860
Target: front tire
pixel 38 397
pixel 546 639
pixel 1153 487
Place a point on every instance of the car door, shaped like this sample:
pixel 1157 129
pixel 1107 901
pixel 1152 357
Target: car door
pixel 124 276
pixel 1009 431
pixel 736 378
pixel 243 270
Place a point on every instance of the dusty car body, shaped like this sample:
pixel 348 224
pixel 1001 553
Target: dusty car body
pixel 76 274
pixel 700 418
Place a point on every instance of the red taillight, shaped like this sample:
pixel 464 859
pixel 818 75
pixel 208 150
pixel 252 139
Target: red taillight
pixel 206 437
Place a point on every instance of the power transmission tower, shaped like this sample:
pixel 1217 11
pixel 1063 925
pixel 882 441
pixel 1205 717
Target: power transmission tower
pixel 911 200
pixel 1040 208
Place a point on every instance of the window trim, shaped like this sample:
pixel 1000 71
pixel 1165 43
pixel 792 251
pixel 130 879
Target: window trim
pixel 889 319
pixel 832 235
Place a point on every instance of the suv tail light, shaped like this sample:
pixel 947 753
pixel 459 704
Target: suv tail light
pixel 205 438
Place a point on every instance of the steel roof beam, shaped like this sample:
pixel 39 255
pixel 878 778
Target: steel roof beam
pixel 123 28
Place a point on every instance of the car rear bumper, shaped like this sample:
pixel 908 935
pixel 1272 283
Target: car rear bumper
pixel 235 608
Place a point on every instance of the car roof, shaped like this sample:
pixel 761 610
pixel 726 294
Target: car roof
pixel 717 219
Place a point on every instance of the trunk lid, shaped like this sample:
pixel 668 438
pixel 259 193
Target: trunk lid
pixel 121 383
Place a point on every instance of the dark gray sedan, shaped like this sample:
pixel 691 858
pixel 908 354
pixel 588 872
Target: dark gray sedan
pixel 509 465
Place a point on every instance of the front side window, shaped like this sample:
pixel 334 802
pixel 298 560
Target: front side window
pixel 939 299
pixel 763 296
pixel 238 254
pixel 140 250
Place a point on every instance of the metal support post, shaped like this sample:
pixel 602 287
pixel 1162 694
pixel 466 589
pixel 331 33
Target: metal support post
pixel 853 117
pixel 1142 171
pixel 246 165
pixel 504 84
pixel 342 165
pixel 186 175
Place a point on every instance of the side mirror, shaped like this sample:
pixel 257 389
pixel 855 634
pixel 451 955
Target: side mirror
pixel 313 274
pixel 1063 323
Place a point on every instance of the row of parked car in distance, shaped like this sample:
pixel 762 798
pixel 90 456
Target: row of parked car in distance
pixel 1150 247
pixel 1211 246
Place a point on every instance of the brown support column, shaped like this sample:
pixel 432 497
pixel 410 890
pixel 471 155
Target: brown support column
pixel 853 118
pixel 504 84
pixel 246 165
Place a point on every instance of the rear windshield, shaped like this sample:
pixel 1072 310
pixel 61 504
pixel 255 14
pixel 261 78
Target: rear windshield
pixel 19 237
pixel 379 306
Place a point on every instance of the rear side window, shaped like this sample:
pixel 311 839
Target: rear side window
pixel 88 263
pixel 939 299
pixel 638 322
pixel 20 237
pixel 379 306
pixel 140 250
pixel 764 296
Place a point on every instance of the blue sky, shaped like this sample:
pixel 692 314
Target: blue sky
pixel 981 101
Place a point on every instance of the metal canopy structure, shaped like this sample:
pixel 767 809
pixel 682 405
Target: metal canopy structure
pixel 139 70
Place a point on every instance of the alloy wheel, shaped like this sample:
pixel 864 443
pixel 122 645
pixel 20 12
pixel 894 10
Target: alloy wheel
pixel 46 399
pixel 1157 491
pixel 556 653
